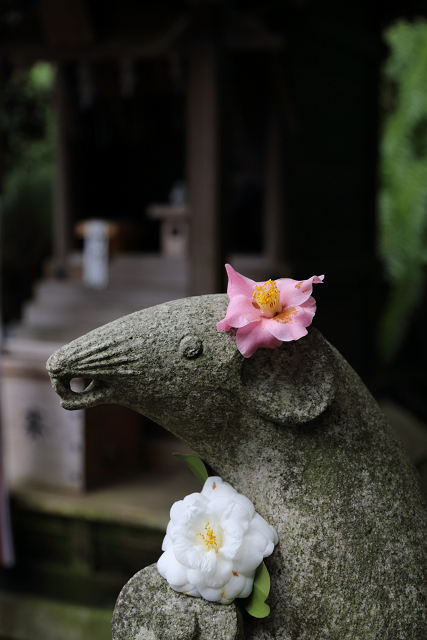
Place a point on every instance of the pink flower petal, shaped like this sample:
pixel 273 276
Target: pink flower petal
pixel 291 323
pixel 241 312
pixel 287 332
pixel 238 284
pixel 309 305
pixel 222 325
pixel 295 292
pixel 253 336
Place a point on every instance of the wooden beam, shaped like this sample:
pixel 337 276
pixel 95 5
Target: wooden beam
pixel 65 22
pixel 68 35
pixel 203 168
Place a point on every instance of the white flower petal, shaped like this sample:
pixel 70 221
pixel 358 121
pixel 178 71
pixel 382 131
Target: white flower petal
pixel 251 552
pixel 167 542
pixel 216 578
pixel 186 553
pixel 198 578
pixel 232 537
pixel 170 529
pixel 223 571
pixel 249 583
pixel 211 594
pixel 263 527
pixel 177 509
pixel 195 502
pixel 225 490
pixel 234 586
pixel 180 548
pixel 245 502
pixel 269 549
pixel 172 571
pixel 222 489
pixel 162 563
pixel 228 509
pixel 202 560
pixel 191 522
pixel 208 487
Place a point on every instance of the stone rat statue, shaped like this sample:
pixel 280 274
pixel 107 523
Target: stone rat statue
pixel 293 429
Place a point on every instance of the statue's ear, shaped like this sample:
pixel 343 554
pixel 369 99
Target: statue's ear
pixel 293 383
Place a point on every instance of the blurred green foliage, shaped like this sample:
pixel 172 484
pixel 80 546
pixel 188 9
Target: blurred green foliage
pixel 26 127
pixel 403 171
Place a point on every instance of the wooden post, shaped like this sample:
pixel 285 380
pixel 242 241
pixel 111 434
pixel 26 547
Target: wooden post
pixel 274 239
pixel 61 200
pixel 203 168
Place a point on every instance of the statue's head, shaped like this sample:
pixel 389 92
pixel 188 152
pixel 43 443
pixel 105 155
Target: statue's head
pixel 170 363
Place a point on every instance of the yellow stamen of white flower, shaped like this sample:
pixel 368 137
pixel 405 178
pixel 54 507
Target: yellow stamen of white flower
pixel 209 538
pixel 267 297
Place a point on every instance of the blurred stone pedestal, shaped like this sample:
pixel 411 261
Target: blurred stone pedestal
pixel 175 228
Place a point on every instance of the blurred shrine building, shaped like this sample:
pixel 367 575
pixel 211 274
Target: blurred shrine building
pixel 168 123
pixel 188 134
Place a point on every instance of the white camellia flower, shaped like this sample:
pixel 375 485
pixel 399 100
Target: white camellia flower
pixel 214 543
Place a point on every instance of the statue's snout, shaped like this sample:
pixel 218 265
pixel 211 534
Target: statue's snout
pixel 97 392
pixel 119 359
pixel 98 361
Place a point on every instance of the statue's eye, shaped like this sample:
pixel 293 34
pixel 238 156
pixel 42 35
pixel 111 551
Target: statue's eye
pixel 191 347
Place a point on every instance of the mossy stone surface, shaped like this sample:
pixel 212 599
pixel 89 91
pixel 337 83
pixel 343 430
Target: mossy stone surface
pixel 296 431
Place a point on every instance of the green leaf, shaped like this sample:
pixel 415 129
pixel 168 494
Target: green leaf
pixel 255 603
pixel 196 465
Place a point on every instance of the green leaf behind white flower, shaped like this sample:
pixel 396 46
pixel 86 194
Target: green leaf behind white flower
pixel 196 465
pixel 255 603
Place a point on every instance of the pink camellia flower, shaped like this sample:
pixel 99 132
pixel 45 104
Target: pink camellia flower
pixel 266 314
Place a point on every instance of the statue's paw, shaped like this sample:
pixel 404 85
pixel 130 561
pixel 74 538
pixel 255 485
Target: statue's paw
pixel 148 609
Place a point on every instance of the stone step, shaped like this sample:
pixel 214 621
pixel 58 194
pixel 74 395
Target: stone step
pixel 148 269
pixel 56 292
pixel 97 313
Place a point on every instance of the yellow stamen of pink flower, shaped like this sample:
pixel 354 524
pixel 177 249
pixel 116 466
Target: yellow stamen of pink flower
pixel 267 296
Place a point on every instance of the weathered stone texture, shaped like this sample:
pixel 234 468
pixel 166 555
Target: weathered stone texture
pixel 296 431
pixel 148 609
